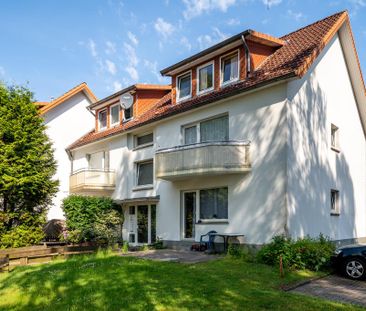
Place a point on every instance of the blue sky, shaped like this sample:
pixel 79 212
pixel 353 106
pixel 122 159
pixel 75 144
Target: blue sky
pixel 55 45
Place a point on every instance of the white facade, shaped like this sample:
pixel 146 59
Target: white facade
pixel 293 167
pixel 66 123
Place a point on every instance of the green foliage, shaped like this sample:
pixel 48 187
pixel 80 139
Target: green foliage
pixel 124 249
pixel 92 219
pixel 27 166
pixel 239 252
pixel 306 253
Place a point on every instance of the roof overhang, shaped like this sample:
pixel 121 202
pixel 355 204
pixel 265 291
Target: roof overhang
pixel 151 199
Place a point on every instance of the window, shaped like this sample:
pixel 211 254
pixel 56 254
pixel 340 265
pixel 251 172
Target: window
pixel 128 113
pixel 214 203
pixel 334 137
pixel 115 114
pixel 334 202
pixel 146 139
pixel 216 129
pixel 205 78
pixel 102 119
pixel 98 160
pixel 131 210
pixel 184 86
pixel 230 68
pixel 145 173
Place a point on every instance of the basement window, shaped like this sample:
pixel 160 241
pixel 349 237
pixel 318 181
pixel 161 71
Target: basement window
pixel 334 202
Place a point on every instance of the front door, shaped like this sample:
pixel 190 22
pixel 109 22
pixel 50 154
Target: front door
pixel 143 224
pixel 189 214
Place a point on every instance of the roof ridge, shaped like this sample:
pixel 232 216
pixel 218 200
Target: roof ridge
pixel 312 24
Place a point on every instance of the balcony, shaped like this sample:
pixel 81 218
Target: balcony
pixel 93 181
pixel 211 158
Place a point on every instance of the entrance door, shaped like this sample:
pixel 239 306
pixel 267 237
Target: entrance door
pixel 143 224
pixel 189 214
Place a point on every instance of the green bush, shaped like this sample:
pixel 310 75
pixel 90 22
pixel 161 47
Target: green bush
pixel 306 253
pixel 92 219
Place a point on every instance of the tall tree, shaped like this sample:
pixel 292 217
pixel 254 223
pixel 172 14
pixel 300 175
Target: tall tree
pixel 27 167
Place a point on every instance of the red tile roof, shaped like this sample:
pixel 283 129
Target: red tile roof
pixel 291 60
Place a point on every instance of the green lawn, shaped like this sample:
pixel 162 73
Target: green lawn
pixel 103 282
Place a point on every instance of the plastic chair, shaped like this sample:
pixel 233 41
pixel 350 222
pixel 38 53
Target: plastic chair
pixel 209 242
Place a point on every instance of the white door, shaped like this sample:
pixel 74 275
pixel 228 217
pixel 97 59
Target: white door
pixel 132 220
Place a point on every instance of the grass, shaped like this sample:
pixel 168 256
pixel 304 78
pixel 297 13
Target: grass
pixel 109 282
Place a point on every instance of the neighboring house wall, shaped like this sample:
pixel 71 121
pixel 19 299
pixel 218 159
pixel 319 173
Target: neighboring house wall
pixel 66 123
pixel 324 96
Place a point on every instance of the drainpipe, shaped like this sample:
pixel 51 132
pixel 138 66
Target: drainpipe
pixel 247 54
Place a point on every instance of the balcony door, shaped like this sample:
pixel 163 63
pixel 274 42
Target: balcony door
pixel 143 225
pixel 189 214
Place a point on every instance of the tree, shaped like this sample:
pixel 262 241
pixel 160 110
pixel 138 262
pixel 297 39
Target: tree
pixel 27 167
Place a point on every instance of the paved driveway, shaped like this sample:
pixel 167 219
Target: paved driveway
pixel 336 288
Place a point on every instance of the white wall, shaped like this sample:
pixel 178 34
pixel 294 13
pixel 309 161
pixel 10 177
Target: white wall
pixel 324 96
pixel 65 124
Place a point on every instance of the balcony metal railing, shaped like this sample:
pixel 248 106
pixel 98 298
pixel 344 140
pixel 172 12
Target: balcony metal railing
pixel 210 158
pixel 86 180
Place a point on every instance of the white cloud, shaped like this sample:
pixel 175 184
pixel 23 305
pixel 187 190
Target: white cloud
pixel 197 7
pixel 2 71
pixel 185 42
pixel 117 86
pixel 297 16
pixel 205 41
pixel 271 3
pixel 233 22
pixel 111 67
pixel 358 3
pixel 92 47
pixel 131 54
pixel 153 68
pixel 132 71
pixel 133 38
pixel 163 28
pixel 111 48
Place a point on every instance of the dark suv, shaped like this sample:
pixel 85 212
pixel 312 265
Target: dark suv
pixel 350 260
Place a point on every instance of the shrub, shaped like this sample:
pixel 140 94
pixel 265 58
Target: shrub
pixel 306 253
pixel 92 219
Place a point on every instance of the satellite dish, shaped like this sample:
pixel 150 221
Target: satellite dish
pixel 126 100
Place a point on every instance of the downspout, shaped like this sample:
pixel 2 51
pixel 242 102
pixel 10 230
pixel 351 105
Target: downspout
pixel 247 54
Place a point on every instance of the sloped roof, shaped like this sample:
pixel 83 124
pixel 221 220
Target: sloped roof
pixel 82 87
pixel 293 59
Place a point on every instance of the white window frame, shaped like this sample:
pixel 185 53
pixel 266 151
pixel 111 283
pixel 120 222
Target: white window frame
pixel 334 147
pixel 105 158
pixel 198 77
pixel 178 89
pixel 137 186
pixel 124 116
pixel 136 146
pixel 198 127
pixel 106 122
pixel 336 210
pixel 222 83
pixel 110 114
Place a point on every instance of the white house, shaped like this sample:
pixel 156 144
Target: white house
pixel 258 135
pixel 67 118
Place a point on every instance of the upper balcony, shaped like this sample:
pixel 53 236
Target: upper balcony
pixel 93 181
pixel 210 158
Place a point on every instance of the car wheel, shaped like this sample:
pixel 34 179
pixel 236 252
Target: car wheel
pixel 354 268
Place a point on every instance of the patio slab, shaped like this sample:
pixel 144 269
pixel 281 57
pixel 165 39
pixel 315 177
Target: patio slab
pixel 172 255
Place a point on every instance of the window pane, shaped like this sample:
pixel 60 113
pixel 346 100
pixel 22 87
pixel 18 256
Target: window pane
pixel 230 68
pixel 128 113
pixel 96 160
pixel 189 214
pixel 145 173
pixel 214 203
pixel 215 129
pixel 205 77
pixel 184 85
pixel 103 119
pixel 145 139
pixel 115 114
pixel 190 135
pixel 153 223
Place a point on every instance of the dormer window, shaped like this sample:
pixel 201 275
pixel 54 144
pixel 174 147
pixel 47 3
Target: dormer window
pixel 184 86
pixel 205 77
pixel 128 113
pixel 102 119
pixel 115 114
pixel 230 68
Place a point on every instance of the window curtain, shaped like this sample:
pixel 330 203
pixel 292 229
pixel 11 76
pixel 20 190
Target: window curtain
pixel 215 129
pixel 190 135
pixel 214 203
